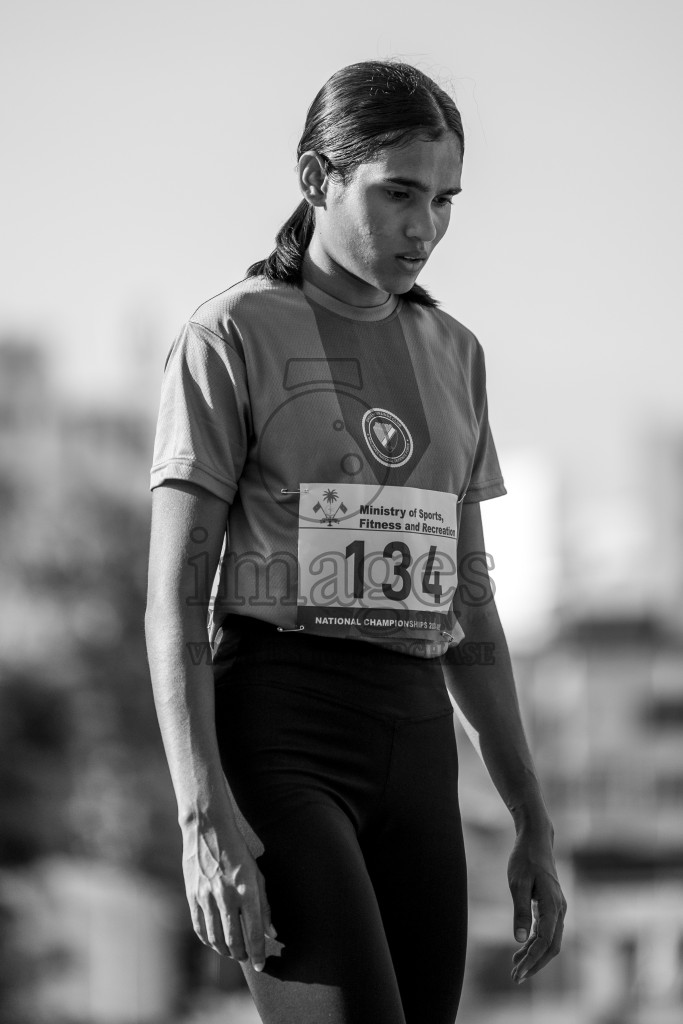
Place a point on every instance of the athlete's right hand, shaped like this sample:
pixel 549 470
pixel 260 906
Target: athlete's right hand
pixel 226 893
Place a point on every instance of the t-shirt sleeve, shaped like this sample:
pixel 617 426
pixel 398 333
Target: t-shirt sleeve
pixel 204 420
pixel 486 479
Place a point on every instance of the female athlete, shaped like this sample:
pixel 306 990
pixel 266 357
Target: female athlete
pixel 316 559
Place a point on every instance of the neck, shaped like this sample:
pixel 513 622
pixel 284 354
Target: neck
pixel 321 270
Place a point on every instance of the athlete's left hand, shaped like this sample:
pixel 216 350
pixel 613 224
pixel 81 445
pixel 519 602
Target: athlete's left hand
pixel 535 888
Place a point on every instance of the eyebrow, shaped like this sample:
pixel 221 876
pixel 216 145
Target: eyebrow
pixel 421 187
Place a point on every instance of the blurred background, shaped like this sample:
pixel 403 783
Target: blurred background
pixel 149 155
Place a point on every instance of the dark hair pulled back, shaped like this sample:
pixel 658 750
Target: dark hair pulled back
pixel 360 110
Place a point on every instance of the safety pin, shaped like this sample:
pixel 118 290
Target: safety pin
pixel 451 639
pixel 303 490
pixel 289 629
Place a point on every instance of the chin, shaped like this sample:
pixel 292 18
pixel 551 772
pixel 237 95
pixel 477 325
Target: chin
pixel 396 284
pixel 401 289
pixel 399 286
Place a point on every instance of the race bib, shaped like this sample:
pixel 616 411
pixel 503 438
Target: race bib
pixel 377 560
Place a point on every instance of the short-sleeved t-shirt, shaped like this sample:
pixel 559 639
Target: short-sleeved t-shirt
pixel 344 440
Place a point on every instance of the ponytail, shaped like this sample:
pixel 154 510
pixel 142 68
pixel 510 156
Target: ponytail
pixel 291 242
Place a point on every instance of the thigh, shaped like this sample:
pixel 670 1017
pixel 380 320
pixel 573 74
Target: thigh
pixel 416 859
pixel 336 963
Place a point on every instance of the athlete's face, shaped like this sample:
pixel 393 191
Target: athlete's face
pixel 395 206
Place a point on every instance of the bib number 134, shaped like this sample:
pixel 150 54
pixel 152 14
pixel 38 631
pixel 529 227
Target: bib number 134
pixel 360 548
pixel 400 587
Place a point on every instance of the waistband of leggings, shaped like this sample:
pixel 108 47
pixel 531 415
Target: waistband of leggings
pixel 236 627
pixel 351 670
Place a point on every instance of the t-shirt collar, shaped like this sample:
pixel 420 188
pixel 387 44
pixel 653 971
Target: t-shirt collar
pixel 372 313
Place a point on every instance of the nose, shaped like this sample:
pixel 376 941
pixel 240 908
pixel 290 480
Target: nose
pixel 423 225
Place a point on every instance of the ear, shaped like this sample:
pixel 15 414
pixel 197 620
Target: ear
pixel 313 179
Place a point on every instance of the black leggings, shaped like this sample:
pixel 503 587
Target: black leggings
pixel 342 759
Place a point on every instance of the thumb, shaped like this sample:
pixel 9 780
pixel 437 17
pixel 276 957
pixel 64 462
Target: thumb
pixel 522 915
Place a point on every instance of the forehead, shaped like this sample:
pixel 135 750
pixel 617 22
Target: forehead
pixel 437 164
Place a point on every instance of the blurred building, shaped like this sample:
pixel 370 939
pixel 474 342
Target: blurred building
pixel 98 943
pixel 601 689
pixel 603 708
pixel 622 543
pixel 55 458
pixel 607 712
pixel 661 483
pixel 82 938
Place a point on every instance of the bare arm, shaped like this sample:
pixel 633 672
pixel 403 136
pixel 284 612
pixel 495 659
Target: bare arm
pixel 485 693
pixel 222 880
pixel 486 700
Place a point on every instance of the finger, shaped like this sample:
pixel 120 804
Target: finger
pixel 267 922
pixel 252 924
pixel 224 914
pixel 521 898
pixel 214 928
pixel 537 950
pixel 198 923
pixel 553 948
pixel 542 932
pixel 235 937
pixel 523 950
pixel 525 973
pixel 551 952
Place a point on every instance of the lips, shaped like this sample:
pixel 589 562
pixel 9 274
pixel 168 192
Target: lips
pixel 412 262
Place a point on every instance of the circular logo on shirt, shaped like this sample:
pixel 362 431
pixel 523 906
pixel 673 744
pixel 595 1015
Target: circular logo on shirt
pixel 387 437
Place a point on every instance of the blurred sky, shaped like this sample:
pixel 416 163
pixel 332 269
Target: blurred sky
pixel 149 158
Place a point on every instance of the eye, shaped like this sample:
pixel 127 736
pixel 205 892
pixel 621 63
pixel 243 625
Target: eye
pixel 398 197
